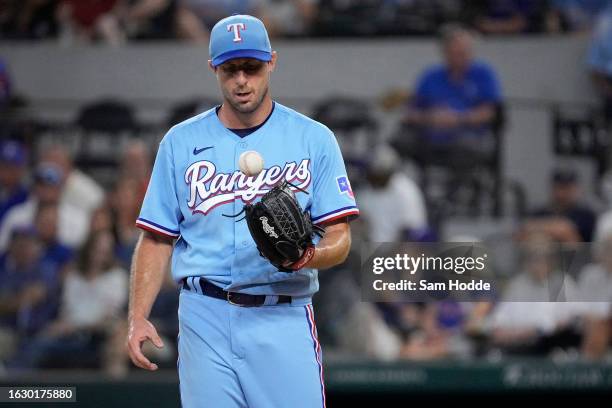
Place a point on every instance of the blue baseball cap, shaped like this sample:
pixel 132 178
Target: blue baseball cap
pixel 239 36
pixel 12 152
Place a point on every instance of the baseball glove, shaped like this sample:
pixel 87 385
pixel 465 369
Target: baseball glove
pixel 282 231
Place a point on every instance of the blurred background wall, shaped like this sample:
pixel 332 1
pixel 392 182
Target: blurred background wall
pixel 536 75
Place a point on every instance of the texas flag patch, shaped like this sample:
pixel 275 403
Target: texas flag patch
pixel 344 186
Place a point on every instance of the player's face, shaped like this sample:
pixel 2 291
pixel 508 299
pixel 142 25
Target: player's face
pixel 244 82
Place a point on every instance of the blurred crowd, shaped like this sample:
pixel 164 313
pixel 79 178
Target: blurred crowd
pixel 443 163
pixel 66 251
pixel 118 21
pixel 66 237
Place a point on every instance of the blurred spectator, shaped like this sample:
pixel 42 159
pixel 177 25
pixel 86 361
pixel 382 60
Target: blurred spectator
pixel 428 340
pixel 599 60
pixel 536 314
pixel 565 218
pixel 28 19
pixel 389 191
pixel 347 325
pixel 125 203
pixel 211 11
pixel 595 286
pixel 77 337
pixel 97 279
pixel 46 224
pixel 161 19
pixel 574 15
pixel 289 18
pixel 101 219
pixel 88 20
pixel 419 328
pixel 508 16
pixel 13 169
pixel 73 223
pixel 136 164
pixel 78 189
pixel 29 287
pixel 454 104
pixel 5 85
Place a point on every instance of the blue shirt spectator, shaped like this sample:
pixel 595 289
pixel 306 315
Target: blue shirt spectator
pixel 437 89
pixel 599 59
pixel 29 286
pixel 54 254
pixel 458 97
pixel 5 84
pixel 12 172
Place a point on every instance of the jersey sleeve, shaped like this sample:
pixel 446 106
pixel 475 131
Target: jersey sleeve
pixel 160 212
pixel 333 196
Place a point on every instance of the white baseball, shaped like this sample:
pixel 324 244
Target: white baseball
pixel 251 163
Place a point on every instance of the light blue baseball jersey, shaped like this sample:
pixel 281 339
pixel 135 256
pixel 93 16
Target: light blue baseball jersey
pixel 196 181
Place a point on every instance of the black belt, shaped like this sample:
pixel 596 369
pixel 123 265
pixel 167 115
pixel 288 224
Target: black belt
pixel 235 298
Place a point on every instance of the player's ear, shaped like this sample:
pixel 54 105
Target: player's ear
pixel 210 66
pixel 272 63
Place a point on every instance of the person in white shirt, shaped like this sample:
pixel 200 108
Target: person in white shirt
pixel 97 279
pixel 538 305
pixel 392 204
pixel 78 189
pixel 595 288
pixel 94 297
pixel 73 222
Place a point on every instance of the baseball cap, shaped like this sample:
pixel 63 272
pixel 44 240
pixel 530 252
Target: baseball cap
pixel 384 159
pixel 12 152
pixel 239 36
pixel 48 173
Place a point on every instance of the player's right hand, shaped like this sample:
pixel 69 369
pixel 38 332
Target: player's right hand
pixel 141 330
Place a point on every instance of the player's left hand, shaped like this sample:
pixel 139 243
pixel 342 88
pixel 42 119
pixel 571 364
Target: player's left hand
pixel 305 257
pixel 141 330
pixel 281 230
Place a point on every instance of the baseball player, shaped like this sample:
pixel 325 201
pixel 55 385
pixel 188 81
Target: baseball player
pixel 247 335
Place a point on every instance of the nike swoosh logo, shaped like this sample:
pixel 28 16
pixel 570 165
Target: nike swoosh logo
pixel 198 151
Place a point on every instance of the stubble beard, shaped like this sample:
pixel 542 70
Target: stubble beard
pixel 250 107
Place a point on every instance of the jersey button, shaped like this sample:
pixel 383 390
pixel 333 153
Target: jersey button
pixel 244 243
pixel 243 145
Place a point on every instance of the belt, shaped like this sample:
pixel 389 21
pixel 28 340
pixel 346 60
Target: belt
pixel 235 298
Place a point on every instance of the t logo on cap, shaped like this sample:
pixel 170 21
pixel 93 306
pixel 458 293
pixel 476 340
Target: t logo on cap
pixel 224 46
pixel 236 27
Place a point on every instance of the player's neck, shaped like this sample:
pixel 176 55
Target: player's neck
pixel 233 119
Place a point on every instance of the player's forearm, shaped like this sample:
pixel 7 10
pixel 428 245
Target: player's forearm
pixel 333 247
pixel 149 265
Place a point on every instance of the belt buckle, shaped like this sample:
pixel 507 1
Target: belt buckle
pixel 231 302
